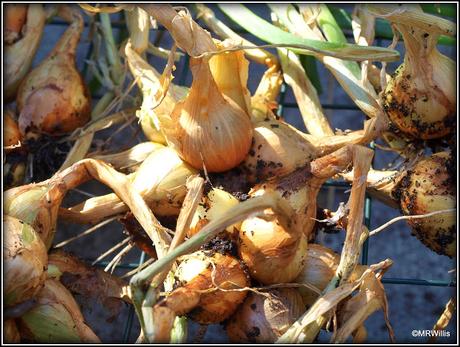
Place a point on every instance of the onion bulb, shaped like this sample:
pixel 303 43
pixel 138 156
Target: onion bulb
pixel 37 205
pixel 320 266
pixel 201 271
pixel 23 32
pixel 56 318
pixel 214 205
pixel 160 180
pixel 420 97
pixel 277 149
pixel 430 186
pixel 264 317
pixel 25 260
pixel 210 129
pixel 53 98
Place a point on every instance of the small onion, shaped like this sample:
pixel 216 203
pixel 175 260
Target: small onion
pixel 430 186
pixel 56 318
pixel 53 98
pixel 263 318
pixel 25 260
pixel 200 271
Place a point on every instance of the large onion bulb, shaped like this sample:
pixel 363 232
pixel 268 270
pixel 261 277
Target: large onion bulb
pixel 430 186
pixel 25 260
pixel 210 129
pixel 420 98
pixel 263 318
pixel 53 98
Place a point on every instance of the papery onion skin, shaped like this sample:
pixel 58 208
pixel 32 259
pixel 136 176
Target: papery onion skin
pixel 430 186
pixel 195 273
pixel 25 260
pixel 53 98
pixel 262 319
pixel 211 130
pixel 56 318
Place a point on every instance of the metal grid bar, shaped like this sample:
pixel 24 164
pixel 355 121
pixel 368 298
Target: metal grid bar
pixel 120 24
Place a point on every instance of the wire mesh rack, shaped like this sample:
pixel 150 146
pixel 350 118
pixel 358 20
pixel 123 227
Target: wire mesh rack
pixel 182 75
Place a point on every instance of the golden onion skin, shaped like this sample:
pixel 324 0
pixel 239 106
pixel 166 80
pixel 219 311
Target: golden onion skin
pixel 430 186
pixel 196 273
pixel 210 129
pixel 53 98
pixel 25 260
pixel 264 318
pixel 420 98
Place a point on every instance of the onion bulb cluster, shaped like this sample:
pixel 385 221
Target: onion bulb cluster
pixel 25 259
pixel 53 98
pixel 264 317
pixel 427 187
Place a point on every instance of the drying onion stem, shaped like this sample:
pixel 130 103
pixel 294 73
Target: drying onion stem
pixel 110 250
pixel 86 232
pixel 397 219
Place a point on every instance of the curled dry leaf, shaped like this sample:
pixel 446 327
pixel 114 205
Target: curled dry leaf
pixel 88 281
